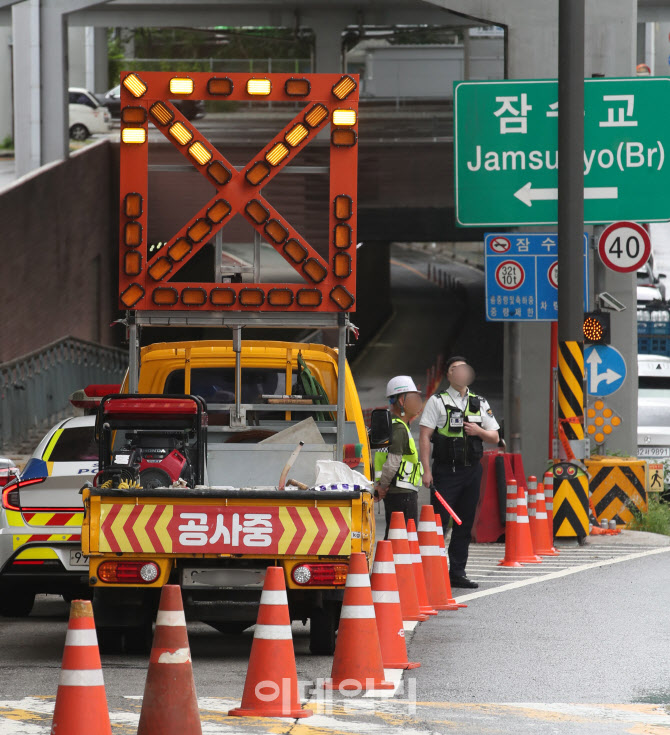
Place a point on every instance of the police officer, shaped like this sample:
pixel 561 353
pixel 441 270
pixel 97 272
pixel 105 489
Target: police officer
pixel 456 422
pixel 398 470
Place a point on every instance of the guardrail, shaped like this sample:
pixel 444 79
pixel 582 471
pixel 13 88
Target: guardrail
pixel 35 388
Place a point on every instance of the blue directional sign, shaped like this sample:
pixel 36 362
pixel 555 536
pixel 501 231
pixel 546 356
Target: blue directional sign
pixel 522 276
pixel 605 369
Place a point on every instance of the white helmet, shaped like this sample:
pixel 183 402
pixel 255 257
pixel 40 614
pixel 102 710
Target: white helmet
pixel 399 385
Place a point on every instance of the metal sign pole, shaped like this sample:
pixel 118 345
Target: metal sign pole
pixel 571 220
pixel 342 322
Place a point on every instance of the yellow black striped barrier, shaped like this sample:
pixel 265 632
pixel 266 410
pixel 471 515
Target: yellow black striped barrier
pixel 618 487
pixel 571 389
pixel 571 501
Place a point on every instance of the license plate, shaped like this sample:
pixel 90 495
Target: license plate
pixel 77 559
pixel 643 452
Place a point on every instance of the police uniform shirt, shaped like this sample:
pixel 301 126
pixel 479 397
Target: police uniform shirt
pixel 434 415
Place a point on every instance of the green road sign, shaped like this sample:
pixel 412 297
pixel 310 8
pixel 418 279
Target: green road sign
pixel 506 151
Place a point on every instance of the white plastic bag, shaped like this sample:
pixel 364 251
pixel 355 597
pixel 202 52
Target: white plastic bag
pixel 330 472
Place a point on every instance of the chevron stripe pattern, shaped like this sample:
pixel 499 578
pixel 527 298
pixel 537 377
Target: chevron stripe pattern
pixel 571 501
pixel 140 528
pixel 571 389
pixel 283 530
pixel 618 489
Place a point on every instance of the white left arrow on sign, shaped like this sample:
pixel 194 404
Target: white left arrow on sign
pixel 528 195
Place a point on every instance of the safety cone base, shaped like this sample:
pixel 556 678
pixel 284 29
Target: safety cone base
pixel 407 665
pixel 504 563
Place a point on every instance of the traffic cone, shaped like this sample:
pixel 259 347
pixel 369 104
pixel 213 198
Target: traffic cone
pixel 386 599
pixel 271 685
pixel 531 483
pixel 549 500
pixel 445 562
pixel 417 566
pixel 170 705
pixel 404 571
pixel 524 544
pixel 81 704
pixel 432 562
pixel 542 541
pixel 510 559
pixel 357 663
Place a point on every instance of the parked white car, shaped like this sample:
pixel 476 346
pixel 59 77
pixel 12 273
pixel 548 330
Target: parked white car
pixel 653 410
pixel 87 116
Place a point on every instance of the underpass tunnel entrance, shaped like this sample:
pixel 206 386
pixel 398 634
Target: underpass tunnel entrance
pixel 429 302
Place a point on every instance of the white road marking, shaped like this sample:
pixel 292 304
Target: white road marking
pixel 561 573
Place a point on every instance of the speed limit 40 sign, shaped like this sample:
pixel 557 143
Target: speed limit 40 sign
pixel 624 247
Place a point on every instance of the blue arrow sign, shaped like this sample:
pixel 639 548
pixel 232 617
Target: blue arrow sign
pixel 605 369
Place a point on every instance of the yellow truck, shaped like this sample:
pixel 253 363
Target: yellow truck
pixel 208 474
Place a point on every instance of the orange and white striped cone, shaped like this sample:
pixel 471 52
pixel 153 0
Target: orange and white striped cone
pixel 271 685
pixel 81 704
pixel 170 705
pixel 386 599
pixel 548 482
pixel 445 563
pixel 543 543
pixel 357 663
pixel 404 570
pixel 531 484
pixel 432 560
pixel 425 607
pixel 524 543
pixel 510 558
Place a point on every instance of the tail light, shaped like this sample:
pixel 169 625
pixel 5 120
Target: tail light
pixel 10 494
pixel 129 572
pixel 319 575
pixel 7 474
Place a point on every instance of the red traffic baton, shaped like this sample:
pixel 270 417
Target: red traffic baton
pixel 447 506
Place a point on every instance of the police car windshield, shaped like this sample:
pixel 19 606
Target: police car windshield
pixel 75 445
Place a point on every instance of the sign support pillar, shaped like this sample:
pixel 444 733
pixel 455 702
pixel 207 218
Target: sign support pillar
pixel 571 220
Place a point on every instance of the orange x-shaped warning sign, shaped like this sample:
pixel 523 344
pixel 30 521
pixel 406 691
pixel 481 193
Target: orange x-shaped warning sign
pixel 328 284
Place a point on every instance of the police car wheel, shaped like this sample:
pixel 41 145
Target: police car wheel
pixel 322 628
pixel 16 603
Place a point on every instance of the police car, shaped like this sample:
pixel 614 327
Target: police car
pixel 653 413
pixel 41 514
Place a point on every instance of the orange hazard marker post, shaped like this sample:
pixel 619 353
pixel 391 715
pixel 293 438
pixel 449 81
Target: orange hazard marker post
pixel 170 705
pixel 386 599
pixel 542 542
pixel 404 570
pixel 357 663
pixel 417 565
pixel 81 704
pixel 445 563
pixel 432 561
pixel 510 559
pixel 549 500
pixel 271 686
pixel 524 543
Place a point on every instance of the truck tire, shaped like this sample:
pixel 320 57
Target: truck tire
pixel 229 627
pixel 323 624
pixel 110 640
pixel 137 640
pixel 16 603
